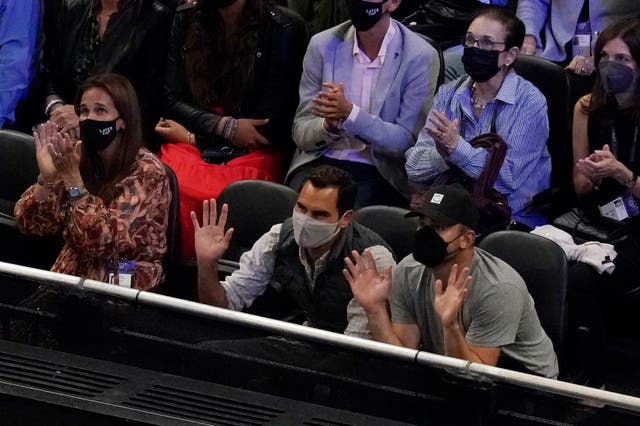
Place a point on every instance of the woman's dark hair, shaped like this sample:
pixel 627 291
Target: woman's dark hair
pixel 514 27
pixel 125 101
pixel 628 30
pixel 332 177
pixel 219 66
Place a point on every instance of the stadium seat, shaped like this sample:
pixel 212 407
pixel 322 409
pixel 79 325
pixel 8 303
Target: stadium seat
pixel 18 167
pixel 543 266
pixel 254 207
pixel 552 81
pixel 390 223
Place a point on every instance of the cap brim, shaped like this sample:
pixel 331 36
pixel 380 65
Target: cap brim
pixel 431 214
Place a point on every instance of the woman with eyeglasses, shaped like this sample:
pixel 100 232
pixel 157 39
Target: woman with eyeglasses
pixel 490 98
pixel 606 126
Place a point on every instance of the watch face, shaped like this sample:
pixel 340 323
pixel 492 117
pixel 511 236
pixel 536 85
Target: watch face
pixel 75 192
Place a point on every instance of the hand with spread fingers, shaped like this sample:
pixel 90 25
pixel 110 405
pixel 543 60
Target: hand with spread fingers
pixel 445 132
pixel 211 240
pixel 370 288
pixel 44 136
pixel 331 104
pixel 447 302
pixel 66 154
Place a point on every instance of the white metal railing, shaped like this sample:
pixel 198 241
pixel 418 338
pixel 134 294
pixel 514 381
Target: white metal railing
pixel 329 338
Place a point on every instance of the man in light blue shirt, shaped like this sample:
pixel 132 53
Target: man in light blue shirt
pixel 20 23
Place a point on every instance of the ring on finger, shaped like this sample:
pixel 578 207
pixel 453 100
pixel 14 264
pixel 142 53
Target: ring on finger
pixel 58 155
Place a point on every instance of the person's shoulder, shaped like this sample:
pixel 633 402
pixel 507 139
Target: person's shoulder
pixel 410 275
pixel 150 164
pixel 337 33
pixel 527 92
pixel 495 272
pixel 583 103
pixel 410 265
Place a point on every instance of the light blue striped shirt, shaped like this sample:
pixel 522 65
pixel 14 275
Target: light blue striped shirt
pixel 522 122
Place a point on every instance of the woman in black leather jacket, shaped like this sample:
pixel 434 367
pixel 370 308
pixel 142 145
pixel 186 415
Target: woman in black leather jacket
pixel 128 37
pixel 232 86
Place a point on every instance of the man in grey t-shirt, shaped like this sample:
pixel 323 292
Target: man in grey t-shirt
pixel 484 309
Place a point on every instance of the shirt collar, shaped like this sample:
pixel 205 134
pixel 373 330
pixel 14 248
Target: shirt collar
pixel 506 92
pixel 388 36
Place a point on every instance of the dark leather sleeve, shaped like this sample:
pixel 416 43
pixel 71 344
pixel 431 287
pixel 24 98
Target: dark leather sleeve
pixel 177 107
pixel 62 29
pixel 277 78
pixel 152 59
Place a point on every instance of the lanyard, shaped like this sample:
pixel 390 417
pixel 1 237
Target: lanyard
pixel 614 143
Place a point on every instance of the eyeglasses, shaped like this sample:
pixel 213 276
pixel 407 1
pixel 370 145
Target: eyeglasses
pixel 483 43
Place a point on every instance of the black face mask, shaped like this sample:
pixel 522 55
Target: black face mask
pixel 221 4
pixel 429 247
pixel 616 78
pixel 364 14
pixel 480 64
pixel 97 135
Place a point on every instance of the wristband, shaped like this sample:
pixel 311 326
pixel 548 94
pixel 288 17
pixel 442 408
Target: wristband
pixel 50 105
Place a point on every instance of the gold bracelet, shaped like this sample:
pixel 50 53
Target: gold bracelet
pixel 42 182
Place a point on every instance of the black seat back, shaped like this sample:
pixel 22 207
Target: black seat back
pixel 552 81
pixel 543 266
pixel 18 167
pixel 390 223
pixel 173 228
pixel 254 207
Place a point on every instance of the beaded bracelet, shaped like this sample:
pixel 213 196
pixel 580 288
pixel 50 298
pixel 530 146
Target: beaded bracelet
pixel 230 127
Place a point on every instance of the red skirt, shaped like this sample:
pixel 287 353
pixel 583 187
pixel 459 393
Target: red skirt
pixel 199 181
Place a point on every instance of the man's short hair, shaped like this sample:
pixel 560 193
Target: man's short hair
pixel 513 26
pixel 332 177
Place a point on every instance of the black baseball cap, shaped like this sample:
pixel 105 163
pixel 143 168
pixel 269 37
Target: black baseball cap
pixel 448 205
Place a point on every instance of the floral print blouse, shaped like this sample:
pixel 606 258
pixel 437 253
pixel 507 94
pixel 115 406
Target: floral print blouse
pixel 132 227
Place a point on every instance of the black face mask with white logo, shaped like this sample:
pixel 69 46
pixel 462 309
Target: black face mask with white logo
pixel 365 14
pixel 97 135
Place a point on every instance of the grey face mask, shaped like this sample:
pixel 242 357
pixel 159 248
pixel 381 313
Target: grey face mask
pixel 312 233
pixel 616 78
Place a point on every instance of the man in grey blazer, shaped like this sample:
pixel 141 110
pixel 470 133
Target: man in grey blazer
pixel 366 87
